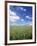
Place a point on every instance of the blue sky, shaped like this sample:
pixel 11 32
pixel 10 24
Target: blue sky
pixel 20 15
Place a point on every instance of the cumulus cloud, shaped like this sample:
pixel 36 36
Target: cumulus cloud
pixel 14 18
pixel 28 17
pixel 22 9
pixel 22 20
pixel 12 13
pixel 29 23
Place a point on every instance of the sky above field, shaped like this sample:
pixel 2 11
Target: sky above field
pixel 20 15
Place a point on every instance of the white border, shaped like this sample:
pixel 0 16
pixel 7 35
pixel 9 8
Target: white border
pixel 33 27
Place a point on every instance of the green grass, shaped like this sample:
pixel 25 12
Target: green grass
pixel 20 32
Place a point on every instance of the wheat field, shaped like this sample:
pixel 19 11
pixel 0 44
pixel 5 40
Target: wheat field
pixel 20 32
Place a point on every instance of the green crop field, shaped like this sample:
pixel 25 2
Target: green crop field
pixel 20 32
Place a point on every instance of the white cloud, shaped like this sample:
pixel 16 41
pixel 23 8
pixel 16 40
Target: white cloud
pixel 29 23
pixel 22 9
pixel 12 13
pixel 22 19
pixel 14 18
pixel 28 17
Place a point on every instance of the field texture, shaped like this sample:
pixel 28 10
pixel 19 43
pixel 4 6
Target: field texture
pixel 20 32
